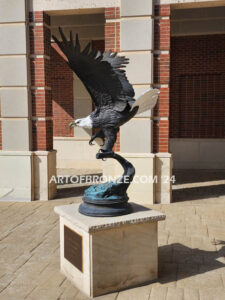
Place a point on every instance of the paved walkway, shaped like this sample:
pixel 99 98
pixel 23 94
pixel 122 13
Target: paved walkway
pixel 191 253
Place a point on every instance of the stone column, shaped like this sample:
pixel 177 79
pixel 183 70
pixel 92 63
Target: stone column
pixel 16 180
pixel 18 172
pixel 136 43
pixel 153 163
pixel 112 41
pixel 163 159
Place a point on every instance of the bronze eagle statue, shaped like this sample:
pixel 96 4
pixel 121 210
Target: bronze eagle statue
pixel 105 79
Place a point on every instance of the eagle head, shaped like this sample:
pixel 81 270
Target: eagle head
pixel 84 122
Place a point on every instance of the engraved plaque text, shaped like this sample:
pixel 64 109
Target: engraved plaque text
pixel 73 248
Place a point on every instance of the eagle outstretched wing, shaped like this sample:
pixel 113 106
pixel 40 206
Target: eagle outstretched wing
pixel 100 73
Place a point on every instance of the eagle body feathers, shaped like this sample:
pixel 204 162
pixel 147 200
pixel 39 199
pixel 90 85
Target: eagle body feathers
pixel 105 79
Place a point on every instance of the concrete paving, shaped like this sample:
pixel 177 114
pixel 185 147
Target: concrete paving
pixel 191 253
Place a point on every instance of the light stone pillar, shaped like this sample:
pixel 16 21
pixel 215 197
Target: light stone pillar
pixel 163 169
pixel 153 171
pixel 136 42
pixel 19 174
pixel 16 160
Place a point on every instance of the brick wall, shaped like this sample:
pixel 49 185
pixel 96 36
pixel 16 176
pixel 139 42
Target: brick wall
pixel 62 93
pixel 161 77
pixel 112 29
pixel 197 98
pixel 42 124
pixel 112 41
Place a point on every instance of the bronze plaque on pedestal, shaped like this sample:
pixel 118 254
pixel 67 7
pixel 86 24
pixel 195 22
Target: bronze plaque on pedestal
pixel 73 248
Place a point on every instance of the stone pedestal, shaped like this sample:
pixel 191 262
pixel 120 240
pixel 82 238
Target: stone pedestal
pixel 103 255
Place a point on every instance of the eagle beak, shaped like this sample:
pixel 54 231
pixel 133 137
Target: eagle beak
pixel 72 124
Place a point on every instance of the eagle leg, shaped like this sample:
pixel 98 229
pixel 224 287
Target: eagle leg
pixel 99 134
pixel 110 135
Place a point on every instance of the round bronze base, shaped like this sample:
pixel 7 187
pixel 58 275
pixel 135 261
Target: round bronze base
pixel 105 211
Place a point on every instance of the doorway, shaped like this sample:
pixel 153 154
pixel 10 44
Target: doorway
pixel 197 102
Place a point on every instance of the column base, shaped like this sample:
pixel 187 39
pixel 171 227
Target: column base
pixel 163 171
pixel 16 176
pixel 44 170
pixel 26 175
pixel 104 255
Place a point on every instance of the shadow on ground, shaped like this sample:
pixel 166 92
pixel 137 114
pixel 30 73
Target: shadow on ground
pixel 178 262
pixel 193 176
pixel 197 193
pixel 198 184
